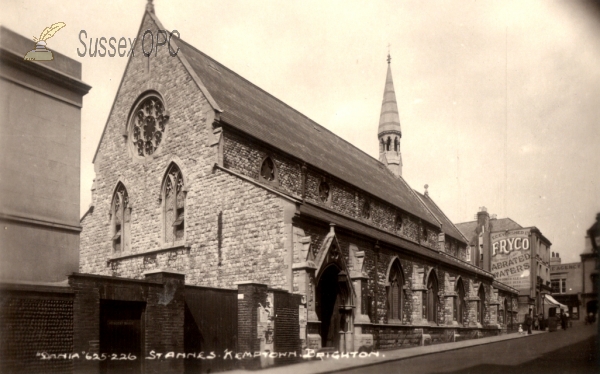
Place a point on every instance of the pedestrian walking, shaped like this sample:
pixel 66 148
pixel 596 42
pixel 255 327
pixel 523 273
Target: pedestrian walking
pixel 536 323
pixel 528 324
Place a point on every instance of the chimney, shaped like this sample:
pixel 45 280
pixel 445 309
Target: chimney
pixel 555 259
pixel 483 219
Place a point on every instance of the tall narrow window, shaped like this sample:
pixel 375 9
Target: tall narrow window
pixel 174 205
pixel 395 293
pixel 120 219
pixel 388 144
pixel 459 302
pixel 431 299
pixel 396 144
pixel 481 305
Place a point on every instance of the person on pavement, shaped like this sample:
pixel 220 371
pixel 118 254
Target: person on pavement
pixel 563 320
pixel 528 323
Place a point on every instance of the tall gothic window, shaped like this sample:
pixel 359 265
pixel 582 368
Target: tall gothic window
pixel 388 144
pixel 148 124
pixel 481 305
pixel 459 302
pixel 396 144
pixel 174 205
pixel 395 293
pixel 431 299
pixel 382 145
pixel 120 219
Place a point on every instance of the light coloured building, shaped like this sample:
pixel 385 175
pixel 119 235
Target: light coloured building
pixel 566 281
pixel 517 256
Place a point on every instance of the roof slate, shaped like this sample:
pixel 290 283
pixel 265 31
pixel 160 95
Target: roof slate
pixel 255 112
pixel 448 227
pixel 500 224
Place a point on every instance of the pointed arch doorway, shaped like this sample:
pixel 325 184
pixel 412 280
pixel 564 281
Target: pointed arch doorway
pixel 333 307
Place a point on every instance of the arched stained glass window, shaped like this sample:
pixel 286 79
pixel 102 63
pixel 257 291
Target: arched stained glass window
pixel 174 205
pixel 460 305
pixel 120 219
pixel 430 301
pixel 395 293
pixel 481 305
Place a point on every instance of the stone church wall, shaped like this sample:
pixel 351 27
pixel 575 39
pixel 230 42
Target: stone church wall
pixel 233 229
pixel 245 156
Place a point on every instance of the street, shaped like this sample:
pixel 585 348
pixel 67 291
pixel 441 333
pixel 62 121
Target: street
pixel 570 351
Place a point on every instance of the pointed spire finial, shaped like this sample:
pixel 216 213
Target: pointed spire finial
pixel 389 58
pixel 426 192
pixel 150 7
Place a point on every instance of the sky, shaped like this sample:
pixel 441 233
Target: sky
pixel 499 101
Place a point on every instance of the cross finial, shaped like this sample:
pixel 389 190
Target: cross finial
pixel 389 58
pixel 150 7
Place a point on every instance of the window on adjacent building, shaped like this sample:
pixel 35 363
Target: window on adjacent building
pixel 559 285
pixel 147 125
pixel 430 301
pixel 395 293
pixel 120 219
pixel 174 205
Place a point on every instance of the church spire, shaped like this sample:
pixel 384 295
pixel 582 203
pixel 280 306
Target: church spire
pixel 389 132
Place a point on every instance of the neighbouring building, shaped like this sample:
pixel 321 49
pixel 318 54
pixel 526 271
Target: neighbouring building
pixel 40 132
pixel 517 256
pixel 591 268
pixel 40 143
pixel 204 178
pixel 566 281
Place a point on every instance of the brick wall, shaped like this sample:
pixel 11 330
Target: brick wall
pixel 287 327
pixel 163 319
pixel 35 321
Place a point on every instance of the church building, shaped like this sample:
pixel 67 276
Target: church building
pixel 201 173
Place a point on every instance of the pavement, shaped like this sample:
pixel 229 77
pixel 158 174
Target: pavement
pixel 332 365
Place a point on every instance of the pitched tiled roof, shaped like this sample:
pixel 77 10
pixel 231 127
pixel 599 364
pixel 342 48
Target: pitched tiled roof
pixel 253 111
pixel 447 226
pixel 500 224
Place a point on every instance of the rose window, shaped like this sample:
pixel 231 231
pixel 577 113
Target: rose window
pixel 148 126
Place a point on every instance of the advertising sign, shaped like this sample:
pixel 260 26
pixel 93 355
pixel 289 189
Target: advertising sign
pixel 511 258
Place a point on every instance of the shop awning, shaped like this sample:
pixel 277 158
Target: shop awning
pixel 551 300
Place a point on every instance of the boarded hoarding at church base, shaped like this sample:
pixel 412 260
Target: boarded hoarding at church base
pixel 511 258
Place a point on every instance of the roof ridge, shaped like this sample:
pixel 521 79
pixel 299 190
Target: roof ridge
pixel 444 214
pixel 279 100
